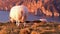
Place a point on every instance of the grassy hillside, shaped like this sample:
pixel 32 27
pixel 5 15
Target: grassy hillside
pixel 30 28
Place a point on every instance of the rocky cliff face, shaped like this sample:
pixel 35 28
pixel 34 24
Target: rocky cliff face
pixel 46 7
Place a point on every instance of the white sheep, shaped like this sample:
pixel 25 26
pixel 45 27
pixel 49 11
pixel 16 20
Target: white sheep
pixel 43 20
pixel 18 14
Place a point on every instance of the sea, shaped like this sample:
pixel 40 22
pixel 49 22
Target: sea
pixel 4 17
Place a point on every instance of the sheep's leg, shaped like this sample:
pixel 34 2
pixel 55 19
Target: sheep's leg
pixel 17 23
pixel 12 21
pixel 23 20
pixel 24 23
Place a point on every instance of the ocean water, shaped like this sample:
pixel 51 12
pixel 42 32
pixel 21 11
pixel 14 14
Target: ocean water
pixel 4 17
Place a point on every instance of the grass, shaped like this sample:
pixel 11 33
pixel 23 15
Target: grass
pixel 30 28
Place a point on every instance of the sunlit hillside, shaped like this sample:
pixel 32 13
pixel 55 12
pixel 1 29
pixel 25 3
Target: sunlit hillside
pixel 49 9
pixel 46 7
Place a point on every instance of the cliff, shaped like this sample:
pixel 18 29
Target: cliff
pixel 46 7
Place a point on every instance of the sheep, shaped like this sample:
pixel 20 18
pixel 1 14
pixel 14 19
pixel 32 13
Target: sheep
pixel 44 20
pixel 18 14
pixel 41 20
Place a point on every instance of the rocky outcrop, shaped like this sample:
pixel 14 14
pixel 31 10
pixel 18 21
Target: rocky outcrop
pixel 46 7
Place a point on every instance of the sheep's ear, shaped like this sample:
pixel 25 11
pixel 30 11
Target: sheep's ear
pixel 22 12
